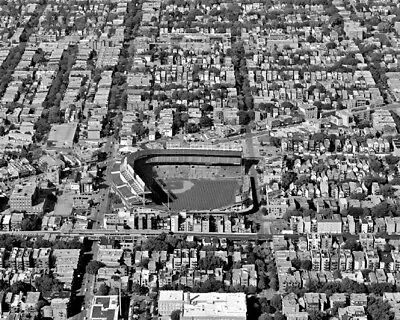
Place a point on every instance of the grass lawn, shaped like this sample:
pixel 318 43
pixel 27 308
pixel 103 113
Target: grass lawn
pixel 202 194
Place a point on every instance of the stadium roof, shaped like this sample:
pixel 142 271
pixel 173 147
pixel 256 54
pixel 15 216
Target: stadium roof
pixel 183 152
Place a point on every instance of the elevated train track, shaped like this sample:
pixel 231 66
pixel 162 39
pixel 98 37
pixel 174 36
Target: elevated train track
pixel 96 234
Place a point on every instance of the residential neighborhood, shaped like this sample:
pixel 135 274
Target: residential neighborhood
pixel 202 159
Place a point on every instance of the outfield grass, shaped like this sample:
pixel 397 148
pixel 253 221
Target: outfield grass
pixel 204 194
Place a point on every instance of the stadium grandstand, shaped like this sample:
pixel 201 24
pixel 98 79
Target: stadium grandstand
pixel 127 184
pixel 229 146
pixel 185 171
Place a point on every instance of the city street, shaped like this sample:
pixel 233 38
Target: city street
pixel 88 283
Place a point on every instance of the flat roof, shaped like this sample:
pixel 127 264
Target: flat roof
pixel 64 205
pixel 104 308
pixel 62 135
pixel 171 295
pixel 215 305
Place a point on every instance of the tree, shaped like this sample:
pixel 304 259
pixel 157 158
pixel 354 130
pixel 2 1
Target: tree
pixel 311 39
pixel 392 160
pixel 42 127
pixel 296 263
pixel 20 286
pixel 163 242
pixel 287 104
pixel 210 285
pixel 210 263
pixel 349 61
pixel 380 288
pixel 251 290
pixel 143 290
pixel 377 309
pixel 139 129
pixel 355 211
pixel 319 136
pixel 336 20
pixel 352 245
pixel 266 107
pixel 176 315
pixel 388 247
pixel 205 122
pixel 136 288
pixel 387 191
pixel 276 142
pixel 261 283
pixel 192 128
pixel 279 316
pixel 104 290
pixel 336 274
pixel 376 165
pixel 30 224
pixel 46 285
pixel 184 117
pixel 288 178
pixel 358 196
pixel 265 316
pixel 207 107
pixel 381 210
pixel 274 282
pixel 244 118
pixel 54 115
pixel 351 286
pixel 306 265
pixel 316 315
pixel 384 27
pixel 94 266
pixel 331 45
pixel 276 302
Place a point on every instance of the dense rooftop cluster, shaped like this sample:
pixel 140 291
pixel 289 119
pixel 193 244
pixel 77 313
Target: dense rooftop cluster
pixel 294 103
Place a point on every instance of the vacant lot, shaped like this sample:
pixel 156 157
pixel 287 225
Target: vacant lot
pixel 202 194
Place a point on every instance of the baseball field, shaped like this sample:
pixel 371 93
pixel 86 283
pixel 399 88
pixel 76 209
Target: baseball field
pixel 202 194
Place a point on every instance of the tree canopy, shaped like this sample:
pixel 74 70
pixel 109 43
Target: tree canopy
pixel 104 290
pixel 176 315
pixel 210 263
pixel 206 122
pixel 47 284
pixel 94 266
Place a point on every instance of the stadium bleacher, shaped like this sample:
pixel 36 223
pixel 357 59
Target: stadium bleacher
pixel 130 180
pixel 169 171
pixel 195 160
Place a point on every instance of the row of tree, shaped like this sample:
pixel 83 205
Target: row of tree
pixel 346 285
pixel 52 113
pixel 11 241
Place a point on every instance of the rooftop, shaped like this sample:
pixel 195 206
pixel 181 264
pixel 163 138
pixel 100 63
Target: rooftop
pixel 26 189
pixel 215 304
pixel 62 135
pixel 104 308
pixel 169 295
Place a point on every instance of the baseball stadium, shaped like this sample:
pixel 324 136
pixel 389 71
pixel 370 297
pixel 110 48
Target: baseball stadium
pixel 181 178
